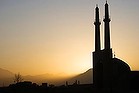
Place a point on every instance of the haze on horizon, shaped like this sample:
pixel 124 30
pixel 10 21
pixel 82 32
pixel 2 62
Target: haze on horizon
pixel 57 36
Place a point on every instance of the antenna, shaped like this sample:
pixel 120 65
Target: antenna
pixel 96 5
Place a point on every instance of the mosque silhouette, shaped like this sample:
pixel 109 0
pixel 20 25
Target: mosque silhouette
pixel 109 73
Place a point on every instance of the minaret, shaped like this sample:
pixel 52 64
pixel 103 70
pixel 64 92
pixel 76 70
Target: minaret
pixel 97 29
pixel 107 53
pixel 97 65
pixel 106 28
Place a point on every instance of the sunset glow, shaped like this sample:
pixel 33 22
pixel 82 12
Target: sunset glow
pixel 57 36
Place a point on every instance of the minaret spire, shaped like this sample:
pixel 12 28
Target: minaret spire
pixel 106 27
pixel 97 29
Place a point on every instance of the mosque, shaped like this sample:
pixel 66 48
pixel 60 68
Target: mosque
pixel 109 73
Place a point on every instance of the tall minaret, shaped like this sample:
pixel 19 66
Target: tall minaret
pixel 97 29
pixel 97 65
pixel 107 55
pixel 106 28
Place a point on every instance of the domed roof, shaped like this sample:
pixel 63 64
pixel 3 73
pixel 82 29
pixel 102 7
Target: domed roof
pixel 120 65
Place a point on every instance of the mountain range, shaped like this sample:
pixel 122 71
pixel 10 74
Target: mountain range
pixel 7 77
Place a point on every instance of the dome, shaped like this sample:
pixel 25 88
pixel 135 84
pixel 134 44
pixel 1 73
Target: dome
pixel 120 66
pixel 121 72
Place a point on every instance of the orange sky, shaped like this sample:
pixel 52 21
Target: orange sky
pixel 57 36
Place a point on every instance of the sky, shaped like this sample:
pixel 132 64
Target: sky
pixel 57 36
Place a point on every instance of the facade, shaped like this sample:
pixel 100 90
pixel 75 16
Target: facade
pixel 108 72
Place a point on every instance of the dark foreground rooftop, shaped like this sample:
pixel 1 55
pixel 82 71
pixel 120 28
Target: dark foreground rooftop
pixel 27 87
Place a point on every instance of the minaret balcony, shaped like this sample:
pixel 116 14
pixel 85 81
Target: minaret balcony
pixel 97 22
pixel 106 19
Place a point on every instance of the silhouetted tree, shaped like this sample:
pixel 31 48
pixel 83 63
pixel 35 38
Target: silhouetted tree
pixel 18 78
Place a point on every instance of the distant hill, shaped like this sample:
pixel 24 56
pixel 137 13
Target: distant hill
pixel 44 78
pixel 6 78
pixel 5 73
pixel 84 78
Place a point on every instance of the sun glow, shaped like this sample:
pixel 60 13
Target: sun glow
pixel 58 36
